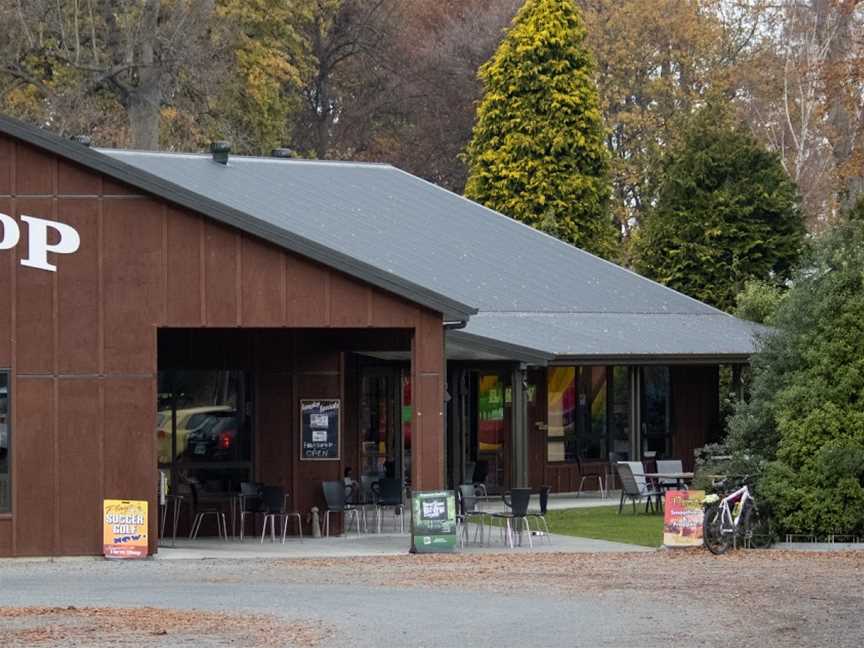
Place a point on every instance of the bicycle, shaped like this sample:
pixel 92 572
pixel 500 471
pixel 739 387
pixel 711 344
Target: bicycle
pixel 731 518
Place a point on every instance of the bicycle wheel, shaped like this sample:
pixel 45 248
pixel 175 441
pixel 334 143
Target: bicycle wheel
pixel 757 534
pixel 713 537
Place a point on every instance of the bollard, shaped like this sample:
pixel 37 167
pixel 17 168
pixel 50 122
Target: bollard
pixel 316 523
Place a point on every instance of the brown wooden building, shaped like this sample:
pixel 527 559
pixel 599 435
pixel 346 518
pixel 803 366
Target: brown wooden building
pixel 216 296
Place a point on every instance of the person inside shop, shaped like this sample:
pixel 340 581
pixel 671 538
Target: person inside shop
pixel 352 488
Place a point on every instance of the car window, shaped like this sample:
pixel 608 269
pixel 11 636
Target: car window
pixel 196 420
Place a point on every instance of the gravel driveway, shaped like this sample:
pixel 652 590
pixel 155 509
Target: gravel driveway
pixel 767 598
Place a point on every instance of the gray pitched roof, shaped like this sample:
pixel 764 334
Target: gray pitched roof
pixel 537 296
pixel 431 237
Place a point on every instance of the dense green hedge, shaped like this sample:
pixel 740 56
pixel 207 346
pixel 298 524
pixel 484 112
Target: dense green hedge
pixel 805 413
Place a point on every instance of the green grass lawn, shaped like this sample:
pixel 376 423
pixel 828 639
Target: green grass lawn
pixel 604 523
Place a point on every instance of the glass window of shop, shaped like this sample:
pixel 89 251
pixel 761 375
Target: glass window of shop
pixel 588 413
pixel 385 423
pixel 5 434
pixel 655 409
pixel 492 447
pixel 379 445
pixel 203 430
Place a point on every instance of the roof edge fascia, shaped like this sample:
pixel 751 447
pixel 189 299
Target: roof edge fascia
pixel 652 359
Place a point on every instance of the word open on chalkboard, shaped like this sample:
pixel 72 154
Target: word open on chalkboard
pixel 320 429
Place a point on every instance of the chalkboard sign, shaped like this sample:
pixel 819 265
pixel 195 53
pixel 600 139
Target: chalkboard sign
pixel 320 427
pixel 433 526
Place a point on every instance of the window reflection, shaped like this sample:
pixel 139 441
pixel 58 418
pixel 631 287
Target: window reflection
pixel 620 423
pixel 656 440
pixel 491 429
pixel 562 410
pixel 385 423
pixel 407 414
pixel 588 413
pixel 378 434
pixel 202 430
pixel 591 414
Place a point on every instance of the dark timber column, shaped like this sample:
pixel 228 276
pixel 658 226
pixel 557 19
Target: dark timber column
pixel 427 417
pixel 519 412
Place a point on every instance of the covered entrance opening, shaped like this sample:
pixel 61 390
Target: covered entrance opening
pixel 228 414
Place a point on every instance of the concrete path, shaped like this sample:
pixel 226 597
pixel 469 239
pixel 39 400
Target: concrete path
pixel 371 544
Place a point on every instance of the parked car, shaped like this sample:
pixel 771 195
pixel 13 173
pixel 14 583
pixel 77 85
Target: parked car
pixel 215 438
pixel 188 420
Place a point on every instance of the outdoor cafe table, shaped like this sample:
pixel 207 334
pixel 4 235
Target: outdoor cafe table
pixel 680 477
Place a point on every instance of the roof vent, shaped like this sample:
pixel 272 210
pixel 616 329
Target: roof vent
pixel 84 140
pixel 220 151
pixel 282 153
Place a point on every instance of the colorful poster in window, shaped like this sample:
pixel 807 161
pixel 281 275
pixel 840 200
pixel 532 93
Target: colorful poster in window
pixel 682 519
pixel 490 410
pixel 561 401
pixel 124 528
pixel 406 412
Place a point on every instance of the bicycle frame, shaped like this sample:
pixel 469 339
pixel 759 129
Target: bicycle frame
pixel 743 496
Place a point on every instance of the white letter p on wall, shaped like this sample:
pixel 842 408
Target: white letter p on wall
pixel 38 246
pixel 10 232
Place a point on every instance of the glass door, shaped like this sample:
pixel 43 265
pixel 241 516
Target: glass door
pixel 655 413
pixel 385 423
pixel 486 441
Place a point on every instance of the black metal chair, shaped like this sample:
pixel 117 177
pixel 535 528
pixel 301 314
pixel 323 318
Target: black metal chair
pixel 275 508
pixel 175 502
pixel 334 495
pixel 479 475
pixel 541 514
pixel 288 515
pixel 273 499
pixel 200 512
pixel 469 507
pixel 361 496
pixel 614 458
pixel 635 491
pixel 517 501
pixel 589 475
pixel 251 504
pixel 354 500
pixel 389 494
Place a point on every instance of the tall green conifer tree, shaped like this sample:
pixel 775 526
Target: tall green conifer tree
pixel 538 152
pixel 726 213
